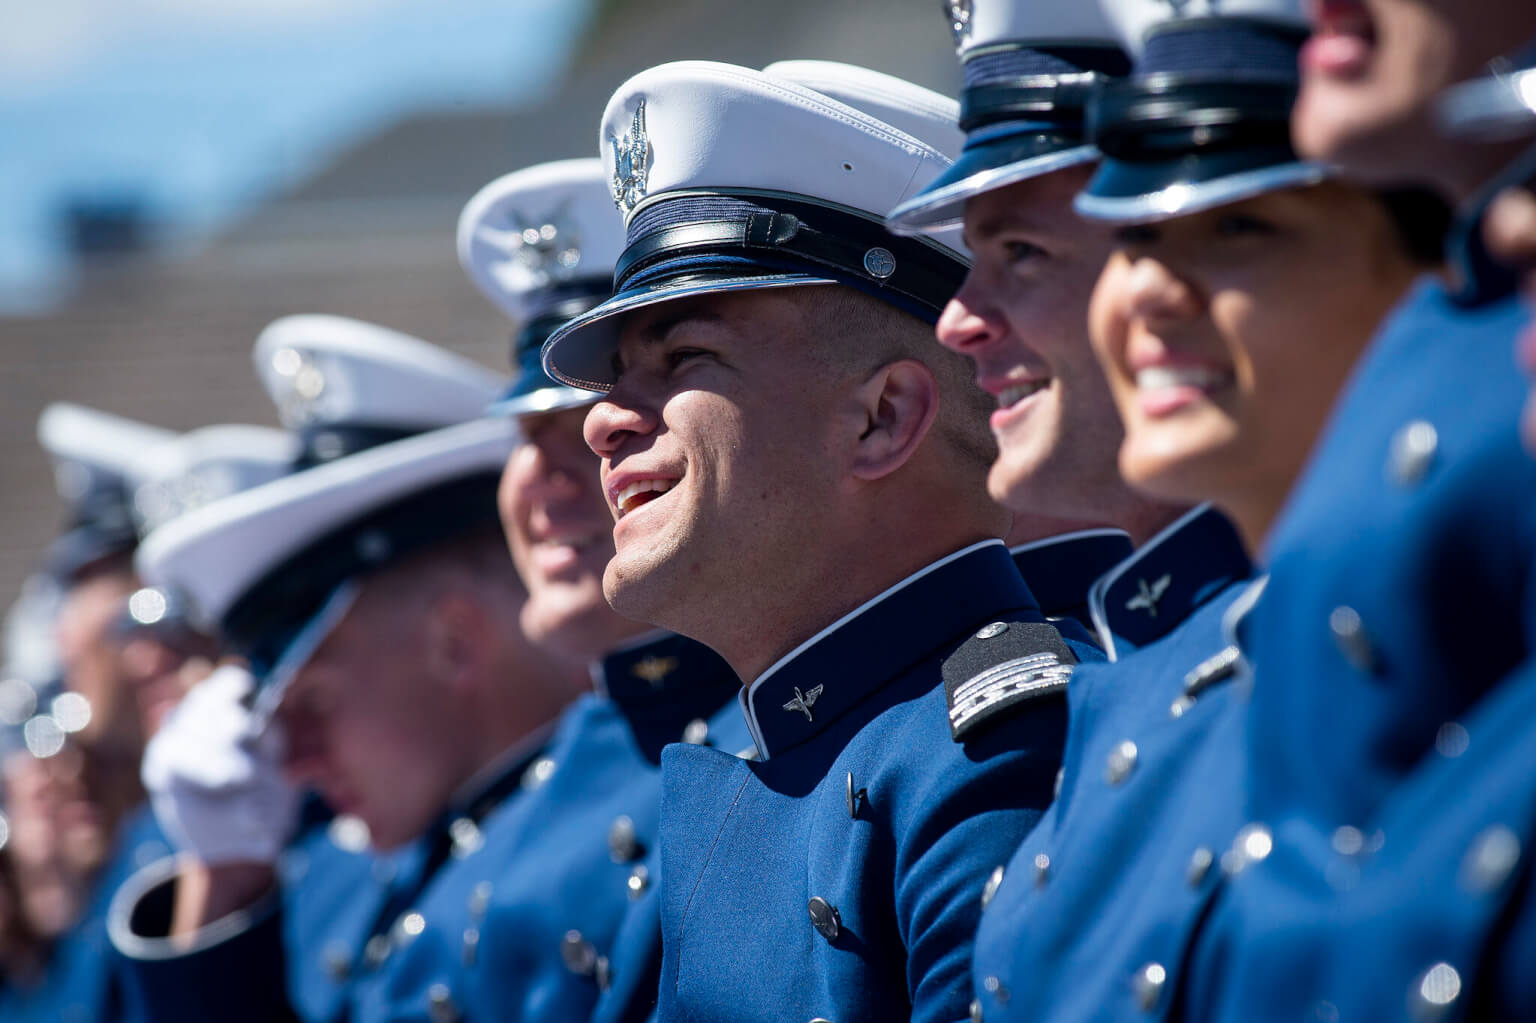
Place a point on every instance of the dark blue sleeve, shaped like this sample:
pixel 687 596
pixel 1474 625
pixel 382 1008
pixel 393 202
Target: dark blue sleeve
pixel 234 972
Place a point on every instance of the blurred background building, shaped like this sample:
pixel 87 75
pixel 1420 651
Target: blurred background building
pixel 176 174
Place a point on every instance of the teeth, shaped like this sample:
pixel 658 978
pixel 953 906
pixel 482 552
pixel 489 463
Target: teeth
pixel 1157 378
pixel 626 501
pixel 1013 395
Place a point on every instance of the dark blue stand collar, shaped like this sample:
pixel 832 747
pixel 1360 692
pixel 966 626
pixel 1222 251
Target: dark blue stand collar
pixel 822 679
pixel 1150 593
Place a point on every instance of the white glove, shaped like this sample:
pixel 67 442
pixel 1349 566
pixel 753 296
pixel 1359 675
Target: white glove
pixel 215 783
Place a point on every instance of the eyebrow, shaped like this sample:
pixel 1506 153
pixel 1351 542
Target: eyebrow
pixel 656 331
pixel 1005 220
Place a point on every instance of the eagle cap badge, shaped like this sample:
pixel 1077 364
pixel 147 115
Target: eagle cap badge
pixel 631 163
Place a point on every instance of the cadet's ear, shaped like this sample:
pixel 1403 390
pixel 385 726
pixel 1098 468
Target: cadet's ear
pixel 458 638
pixel 899 402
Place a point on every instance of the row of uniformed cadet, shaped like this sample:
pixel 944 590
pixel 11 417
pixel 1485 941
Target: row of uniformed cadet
pixel 1272 764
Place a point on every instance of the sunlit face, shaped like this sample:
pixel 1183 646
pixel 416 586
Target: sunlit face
pixel 714 450
pixel 1373 68
pixel 561 536
pixel 363 721
pixel 1226 334
pixel 90 654
pixel 1021 316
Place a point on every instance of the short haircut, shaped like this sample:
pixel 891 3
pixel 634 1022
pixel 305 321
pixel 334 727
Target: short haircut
pixel 867 333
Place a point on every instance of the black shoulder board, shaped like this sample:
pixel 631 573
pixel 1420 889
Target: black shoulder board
pixel 1001 666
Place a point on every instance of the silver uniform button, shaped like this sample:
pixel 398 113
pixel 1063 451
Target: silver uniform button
pixel 1452 740
pixel 989 889
pixel 1148 985
pixel 1490 861
pixel 602 972
pixel 976 1016
pixel 696 732
pixel 1413 452
pixel 469 948
pixel 466 837
pixel 376 951
pixel 1042 869
pixel 1348 841
pixel 623 846
pixel 538 773
pixel 578 954
pixel 440 1005
pixel 1436 989
pixel 639 880
pixel 1122 760
pixel 992 630
pixel 479 899
pixel 994 987
pixel 825 918
pixel 408 928
pixel 1253 844
pixel 1350 637
pixel 1199 866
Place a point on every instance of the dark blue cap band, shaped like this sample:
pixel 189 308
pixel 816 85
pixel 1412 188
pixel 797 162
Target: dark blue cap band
pixel 1022 84
pixel 1022 109
pixel 267 618
pixel 1246 46
pixel 322 442
pixel 1205 120
pixel 528 344
pixel 100 526
pixel 732 236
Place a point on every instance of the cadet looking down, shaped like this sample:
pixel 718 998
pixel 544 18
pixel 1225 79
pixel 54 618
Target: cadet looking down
pixel 371 594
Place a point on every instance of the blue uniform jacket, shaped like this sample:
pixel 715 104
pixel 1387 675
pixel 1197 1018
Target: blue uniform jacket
pixel 1062 569
pixel 839 876
pixel 311 948
pixel 82 982
pixel 533 933
pixel 1090 918
pixel 1400 605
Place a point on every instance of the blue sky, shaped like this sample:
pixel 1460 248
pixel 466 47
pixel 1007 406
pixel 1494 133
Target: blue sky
pixel 204 106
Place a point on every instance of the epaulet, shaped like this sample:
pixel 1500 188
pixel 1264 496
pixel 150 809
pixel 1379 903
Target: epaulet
pixel 1003 665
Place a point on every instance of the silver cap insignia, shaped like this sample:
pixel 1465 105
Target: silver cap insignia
pixel 631 158
pixel 958 13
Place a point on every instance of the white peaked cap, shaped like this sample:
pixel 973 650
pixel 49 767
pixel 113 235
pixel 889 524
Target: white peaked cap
pixel 332 371
pixel 204 465
pixel 526 234
pixel 921 113
pixel 708 134
pixel 214 555
pixel 989 23
pixel 88 446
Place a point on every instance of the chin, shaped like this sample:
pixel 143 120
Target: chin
pixel 637 592
pixel 1177 470
pixel 1374 132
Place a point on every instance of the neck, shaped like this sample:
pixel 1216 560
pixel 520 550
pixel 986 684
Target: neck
pixel 844 578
